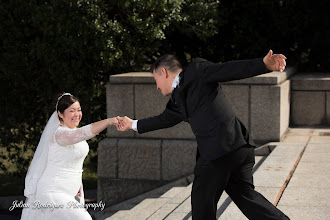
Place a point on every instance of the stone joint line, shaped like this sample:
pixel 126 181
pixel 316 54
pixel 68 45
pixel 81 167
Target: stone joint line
pixel 287 180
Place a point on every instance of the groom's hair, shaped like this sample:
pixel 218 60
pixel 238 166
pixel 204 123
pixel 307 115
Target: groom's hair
pixel 167 61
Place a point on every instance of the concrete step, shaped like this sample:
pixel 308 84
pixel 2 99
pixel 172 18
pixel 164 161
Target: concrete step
pixel 307 194
pixel 270 173
pixel 147 207
pixel 172 204
pixel 268 178
pixel 183 211
pixel 167 191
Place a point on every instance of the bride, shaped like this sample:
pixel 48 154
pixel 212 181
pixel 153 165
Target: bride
pixel 54 178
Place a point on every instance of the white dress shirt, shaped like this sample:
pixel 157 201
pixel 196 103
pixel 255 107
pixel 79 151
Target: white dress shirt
pixel 175 83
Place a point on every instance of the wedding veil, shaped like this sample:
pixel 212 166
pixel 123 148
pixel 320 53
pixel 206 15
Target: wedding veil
pixel 40 158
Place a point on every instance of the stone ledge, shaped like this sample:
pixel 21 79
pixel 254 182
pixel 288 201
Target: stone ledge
pixel 132 77
pixel 311 81
pixel 272 78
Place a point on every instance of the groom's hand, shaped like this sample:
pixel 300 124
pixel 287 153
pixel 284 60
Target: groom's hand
pixel 274 61
pixel 124 123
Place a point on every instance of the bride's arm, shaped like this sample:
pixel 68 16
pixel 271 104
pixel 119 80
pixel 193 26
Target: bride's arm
pixel 66 136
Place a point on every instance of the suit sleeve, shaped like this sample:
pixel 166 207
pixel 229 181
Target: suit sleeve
pixel 167 119
pixel 232 70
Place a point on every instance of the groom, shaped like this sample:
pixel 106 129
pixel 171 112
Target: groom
pixel 225 152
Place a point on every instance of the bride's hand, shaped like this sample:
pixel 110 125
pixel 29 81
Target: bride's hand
pixel 79 192
pixel 113 121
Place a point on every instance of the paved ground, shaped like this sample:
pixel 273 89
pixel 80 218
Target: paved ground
pixel 295 176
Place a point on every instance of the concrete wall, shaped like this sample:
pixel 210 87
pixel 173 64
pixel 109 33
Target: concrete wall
pixel 130 163
pixel 310 99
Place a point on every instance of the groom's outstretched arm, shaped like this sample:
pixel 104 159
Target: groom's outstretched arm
pixel 165 120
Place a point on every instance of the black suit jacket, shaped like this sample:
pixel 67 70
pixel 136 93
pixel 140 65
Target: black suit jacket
pixel 199 100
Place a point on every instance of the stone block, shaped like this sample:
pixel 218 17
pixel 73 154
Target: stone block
pixel 150 102
pixel 318 148
pixel 120 102
pixel 173 192
pixel 269 111
pixel 275 169
pixel 178 158
pixel 132 78
pixel 311 81
pixel 300 131
pixel 185 206
pixel 163 212
pixel 305 212
pixel 272 178
pixel 149 209
pixel 296 139
pixel 285 100
pixel 182 196
pixel 113 191
pixel 270 193
pixel 316 157
pixel 308 197
pixel 318 131
pixel 107 158
pixel 272 78
pixel 308 108
pixel 328 107
pixel 313 167
pixel 178 215
pixel 232 212
pixel 309 180
pixel 139 159
pixel 238 97
pixel 320 140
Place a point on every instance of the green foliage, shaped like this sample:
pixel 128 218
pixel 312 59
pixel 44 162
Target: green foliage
pixel 49 46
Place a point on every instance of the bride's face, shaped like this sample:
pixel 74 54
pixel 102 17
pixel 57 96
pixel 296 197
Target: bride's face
pixel 72 115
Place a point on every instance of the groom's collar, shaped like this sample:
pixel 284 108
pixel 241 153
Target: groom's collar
pixel 176 81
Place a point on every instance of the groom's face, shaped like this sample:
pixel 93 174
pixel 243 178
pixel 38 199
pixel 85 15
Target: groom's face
pixel 163 81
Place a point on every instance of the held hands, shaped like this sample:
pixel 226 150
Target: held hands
pixel 113 121
pixel 274 61
pixel 124 123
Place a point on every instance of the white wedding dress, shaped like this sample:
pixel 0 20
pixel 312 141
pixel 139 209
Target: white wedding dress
pixel 53 196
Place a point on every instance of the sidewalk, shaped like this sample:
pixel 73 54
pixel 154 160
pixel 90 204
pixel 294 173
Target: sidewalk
pixel 295 176
pixel 308 193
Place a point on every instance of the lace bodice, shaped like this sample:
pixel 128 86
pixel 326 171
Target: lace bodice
pixel 70 147
pixel 67 136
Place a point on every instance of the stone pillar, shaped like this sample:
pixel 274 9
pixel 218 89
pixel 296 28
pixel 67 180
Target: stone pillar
pixel 262 103
pixel 130 163
pixel 310 99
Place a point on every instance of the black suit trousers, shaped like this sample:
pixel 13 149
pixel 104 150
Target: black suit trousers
pixel 232 173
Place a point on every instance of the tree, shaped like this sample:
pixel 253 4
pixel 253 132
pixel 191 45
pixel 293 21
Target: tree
pixel 48 47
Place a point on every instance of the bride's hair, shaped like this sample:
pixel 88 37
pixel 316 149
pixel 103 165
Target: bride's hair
pixel 62 101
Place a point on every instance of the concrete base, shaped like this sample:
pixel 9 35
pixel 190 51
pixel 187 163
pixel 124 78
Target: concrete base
pixel 128 167
pixel 310 99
